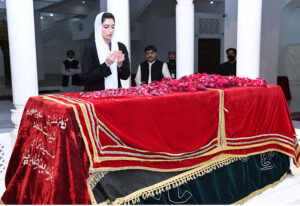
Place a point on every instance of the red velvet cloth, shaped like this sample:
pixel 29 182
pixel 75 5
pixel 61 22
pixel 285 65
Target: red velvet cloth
pixel 171 132
pixel 49 164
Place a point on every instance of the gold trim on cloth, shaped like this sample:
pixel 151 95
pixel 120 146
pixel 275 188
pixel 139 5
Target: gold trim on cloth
pixel 221 138
pixel 221 129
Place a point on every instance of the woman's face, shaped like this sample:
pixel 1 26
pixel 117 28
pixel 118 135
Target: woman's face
pixel 108 28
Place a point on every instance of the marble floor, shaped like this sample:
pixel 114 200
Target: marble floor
pixel 286 192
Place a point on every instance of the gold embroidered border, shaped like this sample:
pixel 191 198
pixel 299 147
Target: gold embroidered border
pixel 221 129
pixel 101 169
pixel 213 151
pixel 141 159
pixel 86 120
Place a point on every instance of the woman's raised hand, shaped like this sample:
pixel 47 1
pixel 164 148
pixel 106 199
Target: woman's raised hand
pixel 116 55
pixel 120 59
pixel 111 58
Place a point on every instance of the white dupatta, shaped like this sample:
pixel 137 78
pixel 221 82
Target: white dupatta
pixel 110 82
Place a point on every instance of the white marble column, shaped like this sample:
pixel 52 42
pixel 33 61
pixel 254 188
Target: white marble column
pixel 120 9
pixel 248 38
pixel 184 38
pixel 22 50
pixel 230 26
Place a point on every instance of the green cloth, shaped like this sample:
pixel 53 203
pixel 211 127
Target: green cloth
pixel 228 184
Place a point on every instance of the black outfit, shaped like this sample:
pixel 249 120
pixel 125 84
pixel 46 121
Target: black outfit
pixel 227 69
pixel 93 73
pixel 156 71
pixel 172 70
pixel 75 77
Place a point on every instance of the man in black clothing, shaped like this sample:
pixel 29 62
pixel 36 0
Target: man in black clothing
pixel 70 69
pixel 172 64
pixel 152 69
pixel 229 68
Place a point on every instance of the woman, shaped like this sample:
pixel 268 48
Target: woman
pixel 104 61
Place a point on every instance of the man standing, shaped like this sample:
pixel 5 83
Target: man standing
pixel 151 69
pixel 229 68
pixel 172 64
pixel 70 69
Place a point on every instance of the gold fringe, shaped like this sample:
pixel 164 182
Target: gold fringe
pixel 173 182
pixel 260 191
pixel 95 178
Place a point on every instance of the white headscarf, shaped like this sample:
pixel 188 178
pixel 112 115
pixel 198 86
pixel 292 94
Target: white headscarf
pixel 103 51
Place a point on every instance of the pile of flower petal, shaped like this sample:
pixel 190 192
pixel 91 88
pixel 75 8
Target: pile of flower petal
pixel 191 83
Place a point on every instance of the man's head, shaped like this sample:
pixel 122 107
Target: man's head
pixel 70 54
pixel 151 53
pixel 231 54
pixel 172 56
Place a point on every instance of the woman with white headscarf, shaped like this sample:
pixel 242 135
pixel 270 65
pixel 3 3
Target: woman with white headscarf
pixel 104 61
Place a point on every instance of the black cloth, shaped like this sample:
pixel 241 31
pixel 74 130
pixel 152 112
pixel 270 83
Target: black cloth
pixel 227 69
pixel 93 73
pixel 172 70
pixel 75 77
pixel 156 71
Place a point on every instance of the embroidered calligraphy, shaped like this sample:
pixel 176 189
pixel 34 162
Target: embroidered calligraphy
pixel 40 154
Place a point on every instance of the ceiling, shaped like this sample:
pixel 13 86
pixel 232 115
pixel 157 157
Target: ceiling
pixel 62 9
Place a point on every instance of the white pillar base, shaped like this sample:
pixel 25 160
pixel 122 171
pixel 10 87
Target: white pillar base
pixel 5 153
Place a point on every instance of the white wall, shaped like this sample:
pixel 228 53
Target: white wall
pixel 57 40
pixel 293 32
pixel 54 52
pixel 270 30
pixel 289 23
pixel 83 28
pixel 39 48
pixel 292 62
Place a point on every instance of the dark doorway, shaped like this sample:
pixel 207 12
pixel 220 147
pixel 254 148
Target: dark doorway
pixel 5 51
pixel 209 55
